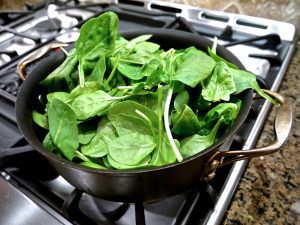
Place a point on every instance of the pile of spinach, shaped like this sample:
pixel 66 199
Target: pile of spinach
pixel 120 104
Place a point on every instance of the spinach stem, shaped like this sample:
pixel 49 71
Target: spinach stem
pixel 167 126
pixel 214 47
pixel 160 115
pixel 147 119
pixel 112 73
pixel 130 61
pixel 64 50
pixel 81 156
pixel 117 98
pixel 81 76
pixel 126 87
pixel 117 49
pixel 213 132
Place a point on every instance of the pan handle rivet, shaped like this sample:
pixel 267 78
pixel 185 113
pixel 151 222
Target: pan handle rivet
pixel 214 164
pixel 210 176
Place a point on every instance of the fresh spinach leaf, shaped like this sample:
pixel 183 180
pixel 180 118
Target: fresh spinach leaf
pixel 244 80
pixel 186 123
pixel 152 71
pixel 63 96
pixel 106 163
pixel 181 99
pixel 131 71
pixel 89 87
pixel 131 149
pixel 48 143
pixel 228 111
pixel 60 79
pixel 97 39
pixel 91 104
pixel 117 165
pixel 220 85
pixel 195 67
pixel 98 71
pixel 220 59
pixel 197 143
pixel 136 58
pixel 97 147
pixel 63 127
pixel 164 155
pixel 146 46
pixel 129 107
pixel 125 124
pixel 40 119
pixel 131 44
pixel 86 132
pixel 149 101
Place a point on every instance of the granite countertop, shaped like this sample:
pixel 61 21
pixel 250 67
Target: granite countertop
pixel 269 192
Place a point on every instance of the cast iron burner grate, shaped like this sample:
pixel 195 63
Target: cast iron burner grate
pixel 264 46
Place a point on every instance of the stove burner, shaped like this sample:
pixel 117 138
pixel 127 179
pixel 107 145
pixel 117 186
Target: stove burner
pixel 8 16
pixel 21 34
pixel 9 53
pixel 68 36
pixel 48 25
pixel 270 41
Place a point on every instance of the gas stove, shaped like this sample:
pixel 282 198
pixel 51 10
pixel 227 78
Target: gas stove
pixel 31 192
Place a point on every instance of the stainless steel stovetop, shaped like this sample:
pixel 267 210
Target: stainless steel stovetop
pixel 30 190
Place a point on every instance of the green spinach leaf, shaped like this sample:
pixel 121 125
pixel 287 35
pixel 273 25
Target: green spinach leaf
pixel 129 107
pixel 91 104
pixel 117 165
pixel 40 119
pixel 131 44
pixel 60 79
pixel 146 46
pixel 197 143
pixel 195 67
pixel 164 155
pixel 63 96
pixel 125 124
pixel 63 127
pixel 131 149
pixel 89 87
pixel 228 111
pixel 186 123
pixel 97 147
pixel 220 85
pixel 244 80
pixel 220 59
pixel 92 165
pixel 98 71
pixel 181 99
pixel 97 39
pixel 85 133
pixel 48 143
pixel 131 71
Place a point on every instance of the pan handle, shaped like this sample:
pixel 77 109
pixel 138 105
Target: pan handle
pixel 34 56
pixel 282 126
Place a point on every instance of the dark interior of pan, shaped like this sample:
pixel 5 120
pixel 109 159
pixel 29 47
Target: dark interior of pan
pixel 139 185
